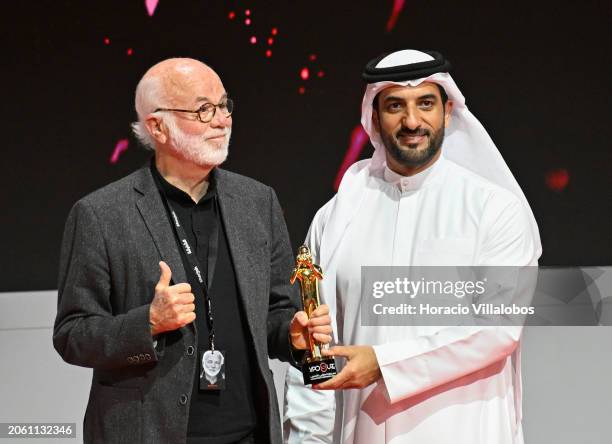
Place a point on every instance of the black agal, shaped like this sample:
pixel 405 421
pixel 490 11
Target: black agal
pixel 399 73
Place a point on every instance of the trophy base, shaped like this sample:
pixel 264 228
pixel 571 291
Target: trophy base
pixel 315 372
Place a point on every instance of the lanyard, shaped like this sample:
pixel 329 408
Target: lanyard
pixel 192 259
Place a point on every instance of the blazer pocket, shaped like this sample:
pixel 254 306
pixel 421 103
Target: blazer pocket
pixel 117 413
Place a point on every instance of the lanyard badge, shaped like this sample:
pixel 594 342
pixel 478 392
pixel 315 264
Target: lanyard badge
pixel 212 370
pixel 212 361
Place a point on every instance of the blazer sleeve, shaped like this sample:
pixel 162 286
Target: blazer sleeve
pixel 87 332
pixel 284 298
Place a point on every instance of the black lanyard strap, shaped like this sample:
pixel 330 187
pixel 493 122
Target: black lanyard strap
pixel 194 263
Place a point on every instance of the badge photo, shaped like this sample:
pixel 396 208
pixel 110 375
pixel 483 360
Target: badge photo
pixel 212 370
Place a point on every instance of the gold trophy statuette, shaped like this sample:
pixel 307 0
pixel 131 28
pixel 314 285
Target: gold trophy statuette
pixel 316 368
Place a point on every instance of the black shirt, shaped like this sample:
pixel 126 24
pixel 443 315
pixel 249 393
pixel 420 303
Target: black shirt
pixel 228 415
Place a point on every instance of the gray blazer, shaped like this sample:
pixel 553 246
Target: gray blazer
pixel 113 241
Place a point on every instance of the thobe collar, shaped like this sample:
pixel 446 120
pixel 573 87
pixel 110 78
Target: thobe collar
pixel 417 181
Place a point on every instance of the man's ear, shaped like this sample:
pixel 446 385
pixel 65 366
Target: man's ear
pixel 156 129
pixel 376 120
pixel 448 109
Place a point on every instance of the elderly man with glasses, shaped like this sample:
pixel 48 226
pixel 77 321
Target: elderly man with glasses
pixel 179 259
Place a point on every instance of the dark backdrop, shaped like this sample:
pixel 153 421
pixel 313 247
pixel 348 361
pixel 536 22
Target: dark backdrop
pixel 535 74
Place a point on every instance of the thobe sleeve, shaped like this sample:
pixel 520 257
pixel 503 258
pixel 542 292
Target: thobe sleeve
pixel 420 364
pixel 309 414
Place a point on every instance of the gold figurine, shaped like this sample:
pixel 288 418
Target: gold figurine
pixel 316 368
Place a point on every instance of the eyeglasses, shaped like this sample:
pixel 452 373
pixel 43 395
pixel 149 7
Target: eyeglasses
pixel 206 112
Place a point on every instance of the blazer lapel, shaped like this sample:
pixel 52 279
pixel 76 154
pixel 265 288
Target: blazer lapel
pixel 153 212
pixel 237 229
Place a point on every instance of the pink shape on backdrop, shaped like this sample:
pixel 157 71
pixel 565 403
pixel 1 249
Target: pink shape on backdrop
pixel 120 147
pixel 398 5
pixel 359 138
pixel 151 6
pixel 304 73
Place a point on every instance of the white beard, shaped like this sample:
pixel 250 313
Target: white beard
pixel 197 149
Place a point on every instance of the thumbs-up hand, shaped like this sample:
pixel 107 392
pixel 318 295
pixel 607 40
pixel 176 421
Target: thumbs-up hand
pixel 173 305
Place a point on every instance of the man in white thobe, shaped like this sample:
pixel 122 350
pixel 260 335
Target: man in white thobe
pixel 435 192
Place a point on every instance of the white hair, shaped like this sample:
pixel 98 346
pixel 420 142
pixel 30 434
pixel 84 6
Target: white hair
pixel 149 95
pixel 195 148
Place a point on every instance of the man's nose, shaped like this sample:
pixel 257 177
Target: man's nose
pixel 220 120
pixel 411 119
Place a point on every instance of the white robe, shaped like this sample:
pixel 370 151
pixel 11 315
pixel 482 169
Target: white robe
pixel 457 385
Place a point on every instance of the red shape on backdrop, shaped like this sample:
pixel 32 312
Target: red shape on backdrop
pixel 301 90
pixel 274 31
pixel 270 41
pixel 106 41
pixel 120 147
pixel 359 138
pixel 312 57
pixel 320 74
pixel 151 6
pixel 269 53
pixel 557 180
pixel 247 12
pixel 130 51
pixel 398 5
pixel 231 15
pixel 304 73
